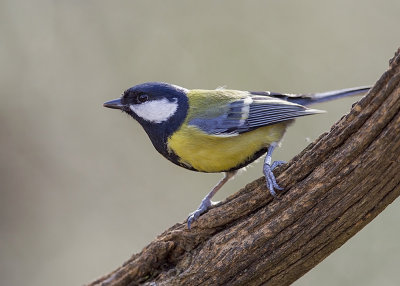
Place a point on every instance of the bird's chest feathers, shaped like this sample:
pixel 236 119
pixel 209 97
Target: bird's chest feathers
pixel 209 153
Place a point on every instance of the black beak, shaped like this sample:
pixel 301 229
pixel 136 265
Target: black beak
pixel 115 104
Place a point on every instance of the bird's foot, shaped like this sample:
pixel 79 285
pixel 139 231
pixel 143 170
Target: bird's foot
pixel 270 179
pixel 204 206
pixel 277 164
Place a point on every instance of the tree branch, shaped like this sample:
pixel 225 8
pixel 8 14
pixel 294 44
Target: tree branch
pixel 335 187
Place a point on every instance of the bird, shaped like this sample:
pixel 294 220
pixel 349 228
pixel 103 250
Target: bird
pixel 219 130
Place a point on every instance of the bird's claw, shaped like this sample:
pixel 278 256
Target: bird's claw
pixel 192 217
pixel 204 206
pixel 277 164
pixel 270 179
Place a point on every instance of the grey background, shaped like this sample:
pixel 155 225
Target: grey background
pixel 82 187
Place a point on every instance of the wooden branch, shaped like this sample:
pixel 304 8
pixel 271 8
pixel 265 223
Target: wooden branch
pixel 336 186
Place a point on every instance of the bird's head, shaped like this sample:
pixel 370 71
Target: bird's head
pixel 159 107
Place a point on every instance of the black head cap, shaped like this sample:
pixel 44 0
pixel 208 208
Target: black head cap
pixel 160 108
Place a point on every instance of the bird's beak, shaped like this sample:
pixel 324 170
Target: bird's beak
pixel 115 104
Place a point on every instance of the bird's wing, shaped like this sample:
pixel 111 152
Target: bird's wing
pixel 240 112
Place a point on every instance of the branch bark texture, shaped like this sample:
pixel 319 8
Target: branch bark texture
pixel 336 186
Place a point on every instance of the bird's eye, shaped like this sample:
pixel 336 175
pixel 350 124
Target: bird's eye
pixel 142 98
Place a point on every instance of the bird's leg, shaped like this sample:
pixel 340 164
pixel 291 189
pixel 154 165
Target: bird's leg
pixel 268 168
pixel 206 202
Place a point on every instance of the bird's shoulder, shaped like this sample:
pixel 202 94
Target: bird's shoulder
pixel 213 102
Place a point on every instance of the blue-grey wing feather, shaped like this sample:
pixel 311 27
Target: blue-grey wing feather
pixel 245 115
pixel 226 123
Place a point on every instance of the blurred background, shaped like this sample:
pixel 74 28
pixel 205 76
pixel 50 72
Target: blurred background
pixel 81 186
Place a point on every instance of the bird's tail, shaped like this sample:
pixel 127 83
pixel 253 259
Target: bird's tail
pixel 312 98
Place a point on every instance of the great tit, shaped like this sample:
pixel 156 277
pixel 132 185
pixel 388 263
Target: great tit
pixel 218 130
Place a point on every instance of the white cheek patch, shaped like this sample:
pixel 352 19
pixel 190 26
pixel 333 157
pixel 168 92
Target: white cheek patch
pixel 155 111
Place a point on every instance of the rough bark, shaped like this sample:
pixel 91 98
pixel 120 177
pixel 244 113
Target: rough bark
pixel 336 186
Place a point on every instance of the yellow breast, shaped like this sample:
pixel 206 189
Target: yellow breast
pixel 208 153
